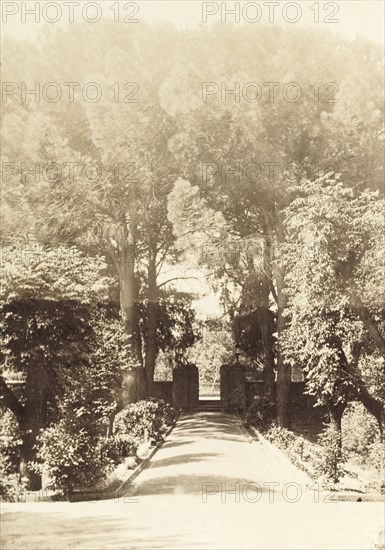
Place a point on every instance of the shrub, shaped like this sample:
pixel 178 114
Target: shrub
pixel 282 437
pixel 376 455
pixel 13 488
pixel 149 416
pixel 167 412
pixel 10 441
pixel 301 452
pixel 74 456
pixel 260 414
pixel 68 454
pixel 114 449
pixel 332 458
pixel 361 436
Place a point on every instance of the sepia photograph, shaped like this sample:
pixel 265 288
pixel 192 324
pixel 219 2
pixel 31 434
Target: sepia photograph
pixel 192 275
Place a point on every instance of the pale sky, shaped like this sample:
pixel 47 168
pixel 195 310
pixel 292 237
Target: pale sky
pixel 353 17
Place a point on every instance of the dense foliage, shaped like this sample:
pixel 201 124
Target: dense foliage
pixel 74 454
pixel 280 202
pixel 147 418
pixel 334 454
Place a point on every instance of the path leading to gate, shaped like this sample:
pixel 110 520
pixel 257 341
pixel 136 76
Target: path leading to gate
pixel 207 454
pixel 209 486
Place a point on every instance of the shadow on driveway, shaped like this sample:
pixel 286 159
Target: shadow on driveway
pixel 196 484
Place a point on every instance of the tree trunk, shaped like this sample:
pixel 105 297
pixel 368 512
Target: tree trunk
pixel 368 321
pixel 267 327
pixel 128 309
pixel 268 356
pixel 283 369
pixel 335 414
pixel 152 317
pixel 35 419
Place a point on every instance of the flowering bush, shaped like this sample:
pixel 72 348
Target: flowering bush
pixel 151 417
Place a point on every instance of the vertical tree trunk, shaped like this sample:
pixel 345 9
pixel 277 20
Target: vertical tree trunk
pixel 268 357
pixel 277 273
pixel 283 369
pixel 336 412
pixel 133 387
pixel 35 418
pixel 267 325
pixel 152 317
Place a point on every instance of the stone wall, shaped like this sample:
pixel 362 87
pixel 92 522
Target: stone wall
pixel 233 380
pixel 185 386
pixel 183 391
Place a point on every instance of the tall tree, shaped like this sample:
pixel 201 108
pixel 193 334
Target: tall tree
pixel 46 331
pixel 245 139
pixel 112 196
pixel 335 264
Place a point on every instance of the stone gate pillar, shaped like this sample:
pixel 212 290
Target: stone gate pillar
pixel 233 381
pixel 185 386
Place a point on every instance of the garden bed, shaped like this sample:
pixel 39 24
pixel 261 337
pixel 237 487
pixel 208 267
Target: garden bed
pixel 139 430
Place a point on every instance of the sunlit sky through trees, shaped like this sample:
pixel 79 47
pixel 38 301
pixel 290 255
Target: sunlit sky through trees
pixel 355 18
